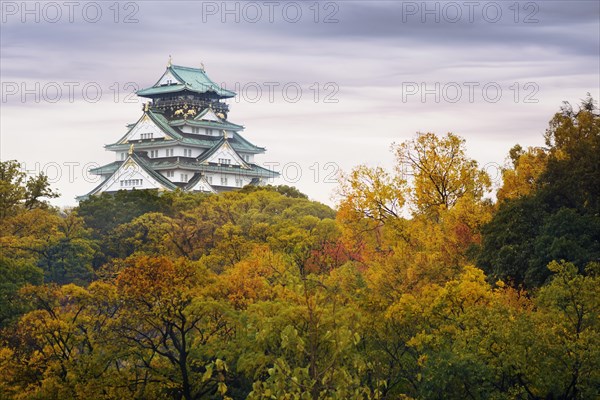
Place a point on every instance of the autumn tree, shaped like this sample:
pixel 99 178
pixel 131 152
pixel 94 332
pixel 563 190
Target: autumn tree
pixel 441 171
pixel 553 213
pixel 521 177
pixel 568 334
pixel 571 177
pixel 177 329
pixel 105 212
pixel 372 193
pixel 28 227
pixel 18 191
pixel 304 344
pixel 67 256
pixel 443 187
pixel 62 348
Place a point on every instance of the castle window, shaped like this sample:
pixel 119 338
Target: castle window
pixel 169 152
pixel 187 152
pixel 147 135
pixel 209 179
pixel 209 132
pixel 223 181
pixel 123 156
pixel 170 174
pixel 238 182
pixel 131 182
pixel 153 153
pixel 184 177
pixel 195 129
pixel 225 161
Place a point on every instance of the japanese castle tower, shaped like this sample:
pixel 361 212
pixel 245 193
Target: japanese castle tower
pixel 183 140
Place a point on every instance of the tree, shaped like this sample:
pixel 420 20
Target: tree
pixel 57 345
pixel 105 212
pixel 67 256
pixel 442 172
pixel 568 331
pixel 522 179
pixel 177 329
pixel 305 344
pixel 573 171
pixel 288 191
pixel 446 195
pixel 508 244
pixel 372 193
pixel 549 203
pixel 15 274
pixel 12 187
pixel 16 191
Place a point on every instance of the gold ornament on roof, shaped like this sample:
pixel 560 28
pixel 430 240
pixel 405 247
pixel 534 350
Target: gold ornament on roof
pixel 131 149
pixel 184 113
pixel 169 63
pixel 146 106
pixel 202 67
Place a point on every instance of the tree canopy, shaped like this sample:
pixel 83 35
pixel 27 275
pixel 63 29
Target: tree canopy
pixel 418 286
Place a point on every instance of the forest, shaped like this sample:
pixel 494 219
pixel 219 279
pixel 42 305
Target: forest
pixel 428 285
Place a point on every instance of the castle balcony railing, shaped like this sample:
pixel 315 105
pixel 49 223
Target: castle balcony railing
pixel 192 103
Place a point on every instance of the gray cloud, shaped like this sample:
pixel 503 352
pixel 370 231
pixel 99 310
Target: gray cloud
pixel 371 54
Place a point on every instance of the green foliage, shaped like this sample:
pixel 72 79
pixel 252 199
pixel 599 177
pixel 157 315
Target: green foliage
pixel 572 176
pixel 264 294
pixel 17 192
pixel 568 328
pixel 508 246
pixel 442 172
pixel 15 274
pixel 105 212
pixel 555 215
pixel 288 191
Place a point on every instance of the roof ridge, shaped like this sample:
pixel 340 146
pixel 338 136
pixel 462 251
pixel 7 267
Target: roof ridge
pixel 163 123
pixel 185 67
pixel 246 141
pixel 156 175
pixel 202 157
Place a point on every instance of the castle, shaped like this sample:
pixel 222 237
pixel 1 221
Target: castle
pixel 183 140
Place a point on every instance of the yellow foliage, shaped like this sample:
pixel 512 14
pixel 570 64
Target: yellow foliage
pixel 520 180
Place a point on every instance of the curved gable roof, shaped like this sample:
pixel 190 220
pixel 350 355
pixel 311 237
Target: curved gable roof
pixel 192 79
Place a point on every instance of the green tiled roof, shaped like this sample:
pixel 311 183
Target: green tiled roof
pixel 142 162
pixel 202 157
pixel 106 169
pixel 163 123
pixel 244 143
pixel 238 143
pixel 256 170
pixel 145 163
pixel 159 120
pixel 151 165
pixel 242 146
pixel 192 79
pixel 207 154
pixel 202 113
pixel 207 124
pixel 190 184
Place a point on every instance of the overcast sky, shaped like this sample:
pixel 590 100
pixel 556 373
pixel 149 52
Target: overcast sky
pixel 324 86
